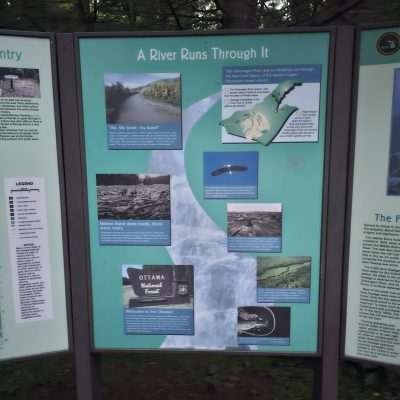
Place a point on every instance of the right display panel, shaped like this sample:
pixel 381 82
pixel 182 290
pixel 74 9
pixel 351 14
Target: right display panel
pixel 373 293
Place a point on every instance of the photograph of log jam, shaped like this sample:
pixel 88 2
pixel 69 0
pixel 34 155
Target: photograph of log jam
pixel 255 219
pixel 133 196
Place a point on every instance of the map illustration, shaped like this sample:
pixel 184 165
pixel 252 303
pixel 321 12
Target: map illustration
pixel 264 120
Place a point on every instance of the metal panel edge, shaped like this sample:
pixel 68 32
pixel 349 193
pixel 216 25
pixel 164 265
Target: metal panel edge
pixel 61 172
pixel 331 61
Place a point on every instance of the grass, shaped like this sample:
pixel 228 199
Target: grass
pixel 193 376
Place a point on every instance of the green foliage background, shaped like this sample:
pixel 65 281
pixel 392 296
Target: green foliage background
pixel 199 376
pixel 119 15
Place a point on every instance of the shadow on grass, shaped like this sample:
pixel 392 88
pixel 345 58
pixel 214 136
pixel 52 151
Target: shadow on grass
pixel 194 376
pixel 163 376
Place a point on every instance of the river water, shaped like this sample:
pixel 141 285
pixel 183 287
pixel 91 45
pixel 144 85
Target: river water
pixel 136 109
pixel 223 281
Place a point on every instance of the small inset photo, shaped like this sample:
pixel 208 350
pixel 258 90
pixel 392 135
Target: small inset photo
pixel 283 279
pixel 19 82
pixel 393 179
pixel 255 227
pixel 270 103
pixel 134 209
pixel 263 326
pixel 230 174
pixel 158 299
pixel 143 111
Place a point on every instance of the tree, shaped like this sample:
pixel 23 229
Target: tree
pixel 112 15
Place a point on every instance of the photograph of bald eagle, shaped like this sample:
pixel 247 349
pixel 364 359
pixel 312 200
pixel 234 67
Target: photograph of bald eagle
pixel 254 227
pixel 230 174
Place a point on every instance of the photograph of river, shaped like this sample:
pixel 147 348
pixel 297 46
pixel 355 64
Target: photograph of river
pixel 255 220
pixel 133 196
pixel 141 98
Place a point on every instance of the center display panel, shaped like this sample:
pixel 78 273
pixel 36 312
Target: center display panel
pixel 205 182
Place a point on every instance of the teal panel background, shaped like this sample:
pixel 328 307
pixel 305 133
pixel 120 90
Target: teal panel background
pixel 369 55
pixel 288 173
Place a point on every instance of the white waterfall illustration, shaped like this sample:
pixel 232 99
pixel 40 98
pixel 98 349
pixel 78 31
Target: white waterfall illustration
pixel 223 281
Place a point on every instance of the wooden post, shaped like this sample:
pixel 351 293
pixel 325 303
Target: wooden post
pixel 87 365
pixel 327 373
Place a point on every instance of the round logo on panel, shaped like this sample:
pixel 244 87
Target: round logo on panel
pixel 388 43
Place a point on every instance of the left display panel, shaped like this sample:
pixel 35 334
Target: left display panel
pixel 33 307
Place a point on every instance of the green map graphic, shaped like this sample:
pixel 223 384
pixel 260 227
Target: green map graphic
pixel 264 120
